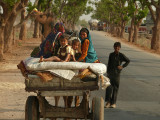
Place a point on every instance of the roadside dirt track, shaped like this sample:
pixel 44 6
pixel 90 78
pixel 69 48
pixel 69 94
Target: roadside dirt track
pixel 12 88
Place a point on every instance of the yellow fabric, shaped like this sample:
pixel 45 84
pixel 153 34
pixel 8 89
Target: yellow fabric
pixel 73 52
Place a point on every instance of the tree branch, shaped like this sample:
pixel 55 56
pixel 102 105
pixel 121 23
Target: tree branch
pixel 21 23
pixel 154 4
pixel 152 13
pixel 61 8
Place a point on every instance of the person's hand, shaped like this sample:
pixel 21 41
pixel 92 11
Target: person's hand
pixel 41 59
pixel 120 67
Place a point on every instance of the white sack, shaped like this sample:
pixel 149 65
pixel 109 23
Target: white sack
pixel 34 65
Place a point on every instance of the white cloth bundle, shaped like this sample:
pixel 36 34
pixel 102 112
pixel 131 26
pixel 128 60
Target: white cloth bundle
pixel 63 69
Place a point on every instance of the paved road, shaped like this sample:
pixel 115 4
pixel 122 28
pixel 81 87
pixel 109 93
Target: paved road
pixel 139 93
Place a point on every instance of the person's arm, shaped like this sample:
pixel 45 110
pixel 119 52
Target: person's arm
pixel 73 55
pixel 74 59
pixel 84 49
pixel 109 65
pixel 67 57
pixel 126 60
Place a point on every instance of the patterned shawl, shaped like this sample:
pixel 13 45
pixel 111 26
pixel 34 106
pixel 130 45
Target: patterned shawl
pixel 50 45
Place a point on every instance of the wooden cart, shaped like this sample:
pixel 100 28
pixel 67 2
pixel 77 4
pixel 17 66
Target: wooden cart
pixel 38 107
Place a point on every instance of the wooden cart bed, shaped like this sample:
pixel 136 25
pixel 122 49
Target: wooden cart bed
pixel 34 83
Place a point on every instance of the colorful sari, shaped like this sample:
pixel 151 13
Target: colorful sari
pixel 88 53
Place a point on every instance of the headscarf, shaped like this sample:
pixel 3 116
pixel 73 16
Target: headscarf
pixel 91 54
pixel 59 27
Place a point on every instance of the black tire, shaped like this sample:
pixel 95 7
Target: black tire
pixel 32 108
pixel 98 108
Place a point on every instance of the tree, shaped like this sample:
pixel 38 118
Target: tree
pixel 140 13
pixel 156 19
pixel 66 12
pixel 10 10
pixel 115 13
pixel 22 34
pixel 131 13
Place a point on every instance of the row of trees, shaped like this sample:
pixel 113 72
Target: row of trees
pixel 117 13
pixel 67 11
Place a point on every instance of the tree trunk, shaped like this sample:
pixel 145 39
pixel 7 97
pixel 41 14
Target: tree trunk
pixel 36 30
pixel 32 24
pixel 22 34
pixel 117 31
pixel 1 42
pixel 130 38
pixel 36 23
pixel 9 17
pixel 136 30
pixel 8 32
pixel 135 37
pixel 155 38
pixel 156 32
pixel 122 30
pixel 113 29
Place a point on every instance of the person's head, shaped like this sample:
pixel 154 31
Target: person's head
pixel 84 33
pixel 59 27
pixel 75 44
pixel 117 46
pixel 63 40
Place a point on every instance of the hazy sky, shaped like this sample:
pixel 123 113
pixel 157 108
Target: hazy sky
pixel 86 17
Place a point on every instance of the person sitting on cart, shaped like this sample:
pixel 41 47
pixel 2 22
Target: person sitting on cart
pixel 88 53
pixel 64 52
pixel 49 47
pixel 75 53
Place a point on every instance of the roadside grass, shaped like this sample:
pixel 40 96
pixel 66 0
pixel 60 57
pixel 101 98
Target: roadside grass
pixel 144 40
pixel 29 34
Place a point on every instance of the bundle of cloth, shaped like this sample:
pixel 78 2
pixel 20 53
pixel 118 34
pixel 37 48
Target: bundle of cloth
pixel 66 70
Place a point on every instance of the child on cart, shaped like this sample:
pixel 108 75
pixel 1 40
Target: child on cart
pixel 75 53
pixel 64 52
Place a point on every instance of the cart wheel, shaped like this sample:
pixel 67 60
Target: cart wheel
pixel 98 108
pixel 32 108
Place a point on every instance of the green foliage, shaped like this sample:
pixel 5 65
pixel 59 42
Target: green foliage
pixel 70 10
pixel 30 7
pixel 75 8
pixel 141 14
pixel 111 11
pixel 10 3
pixel 141 11
pixel 44 4
pixel 89 9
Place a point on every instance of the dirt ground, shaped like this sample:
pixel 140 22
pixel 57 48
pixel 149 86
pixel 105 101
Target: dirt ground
pixel 12 82
pixel 11 107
